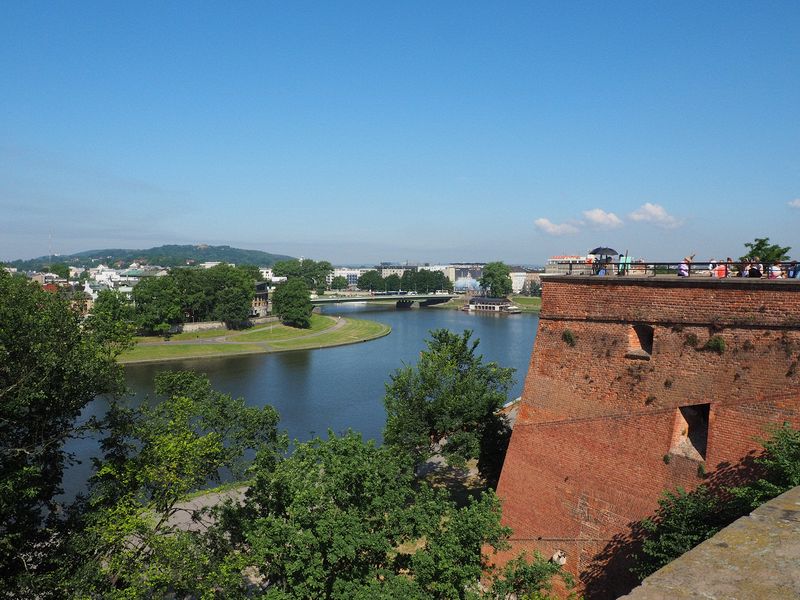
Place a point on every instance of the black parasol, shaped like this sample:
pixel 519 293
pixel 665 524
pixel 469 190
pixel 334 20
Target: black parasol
pixel 604 252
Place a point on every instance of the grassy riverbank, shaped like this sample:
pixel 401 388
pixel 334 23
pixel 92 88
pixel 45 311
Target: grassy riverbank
pixel 325 331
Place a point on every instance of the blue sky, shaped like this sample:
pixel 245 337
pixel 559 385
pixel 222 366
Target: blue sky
pixel 430 131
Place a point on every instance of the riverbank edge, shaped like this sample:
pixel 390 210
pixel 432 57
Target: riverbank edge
pixel 143 361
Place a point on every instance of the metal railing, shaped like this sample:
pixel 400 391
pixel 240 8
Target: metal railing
pixel 722 270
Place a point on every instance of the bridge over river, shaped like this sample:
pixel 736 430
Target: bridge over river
pixel 401 300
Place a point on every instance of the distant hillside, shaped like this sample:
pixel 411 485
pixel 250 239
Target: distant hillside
pixel 166 256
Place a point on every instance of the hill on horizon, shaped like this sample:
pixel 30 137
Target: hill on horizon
pixel 171 255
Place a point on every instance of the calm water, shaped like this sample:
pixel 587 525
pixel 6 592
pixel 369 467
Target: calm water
pixel 335 388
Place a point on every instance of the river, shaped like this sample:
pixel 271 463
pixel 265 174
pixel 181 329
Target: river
pixel 333 388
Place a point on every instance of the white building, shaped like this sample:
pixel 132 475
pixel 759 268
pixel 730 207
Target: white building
pixel 518 278
pixel 350 273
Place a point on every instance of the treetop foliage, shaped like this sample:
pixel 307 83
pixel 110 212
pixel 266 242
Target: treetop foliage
pixel 422 281
pixel 221 293
pixel 291 301
pixel 496 279
pixel 448 402
pixel 50 369
pixel 313 273
pixel 766 252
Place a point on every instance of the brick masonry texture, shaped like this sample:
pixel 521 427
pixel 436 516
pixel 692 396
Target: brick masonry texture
pixel 596 439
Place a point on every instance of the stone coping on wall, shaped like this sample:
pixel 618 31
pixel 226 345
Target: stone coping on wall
pixel 698 281
pixel 754 558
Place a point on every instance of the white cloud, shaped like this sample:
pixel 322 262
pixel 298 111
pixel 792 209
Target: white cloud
pixel 794 203
pixel 597 216
pixel 555 228
pixel 655 213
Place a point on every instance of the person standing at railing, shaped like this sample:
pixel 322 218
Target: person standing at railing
pixel 685 266
pixel 775 271
pixel 756 269
pixel 793 272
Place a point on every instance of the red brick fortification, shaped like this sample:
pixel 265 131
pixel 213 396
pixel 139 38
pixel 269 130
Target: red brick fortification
pixel 636 386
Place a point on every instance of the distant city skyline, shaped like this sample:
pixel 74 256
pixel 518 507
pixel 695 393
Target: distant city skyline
pixel 362 132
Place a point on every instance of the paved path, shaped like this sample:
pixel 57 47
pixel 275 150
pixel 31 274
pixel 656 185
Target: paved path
pixel 185 511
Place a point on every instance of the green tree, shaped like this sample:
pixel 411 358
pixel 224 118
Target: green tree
pixel 392 283
pixel 50 369
pixel 112 321
pixel 252 272
pixel 684 520
pixel 130 544
pixel 766 252
pixel 292 267
pixel 370 280
pixel 195 293
pixel 408 280
pixel 339 283
pixel 524 578
pixel 60 269
pixel 496 279
pixel 158 305
pixel 781 470
pixel 292 303
pixel 448 403
pixel 430 281
pixel 342 518
pixel 312 272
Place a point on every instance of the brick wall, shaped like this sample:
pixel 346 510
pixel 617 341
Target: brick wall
pixel 594 444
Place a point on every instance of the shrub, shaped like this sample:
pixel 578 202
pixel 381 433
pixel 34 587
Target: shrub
pixel 568 337
pixel 715 344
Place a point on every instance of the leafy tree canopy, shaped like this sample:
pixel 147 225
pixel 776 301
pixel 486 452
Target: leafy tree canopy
pixel 448 403
pixel 371 280
pixel 392 282
pixel 496 279
pixel 50 369
pixel 130 543
pixel 158 304
pixel 60 269
pixel 343 518
pixel 313 273
pixel 112 321
pixel 339 283
pixel 766 252
pixel 291 301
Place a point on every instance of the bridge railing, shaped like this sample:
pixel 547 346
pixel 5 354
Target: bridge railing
pixel 721 270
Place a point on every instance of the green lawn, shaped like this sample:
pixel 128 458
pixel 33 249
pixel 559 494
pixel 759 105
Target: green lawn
pixel 274 338
pixel 527 303
pixel 277 331
pixel 356 330
pixel 168 351
pixel 193 335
